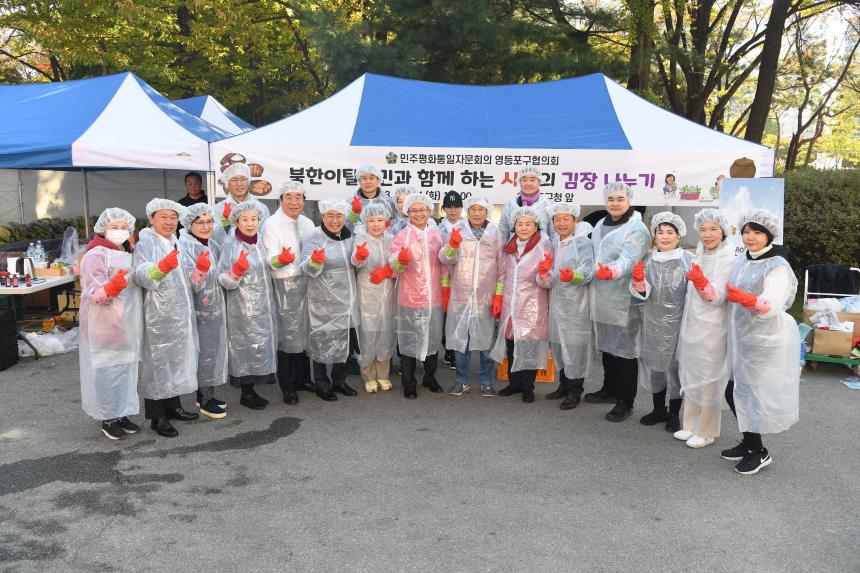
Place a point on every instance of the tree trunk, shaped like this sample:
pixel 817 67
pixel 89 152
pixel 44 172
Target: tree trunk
pixel 767 72
pixel 639 77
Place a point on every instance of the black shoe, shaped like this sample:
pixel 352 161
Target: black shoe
pixel 291 397
pixel 450 360
pixel 112 430
pixel 753 462
pixel 345 389
pixel 510 390
pixel 410 393
pixel 559 392
pixel 736 453
pixel 307 386
pixel 199 400
pixel 528 395
pixel 329 396
pixel 570 402
pixel 433 386
pixel 211 409
pixel 181 414
pixel 602 396
pixel 620 412
pixel 654 417
pixel 253 401
pixel 673 422
pixel 163 427
pixel 128 426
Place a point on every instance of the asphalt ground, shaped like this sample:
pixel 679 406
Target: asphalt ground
pixel 441 483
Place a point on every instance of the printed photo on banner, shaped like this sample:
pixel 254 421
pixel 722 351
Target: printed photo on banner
pixel 738 196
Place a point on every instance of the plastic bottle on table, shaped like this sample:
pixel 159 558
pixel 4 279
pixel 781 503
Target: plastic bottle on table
pixel 31 251
pixel 802 353
pixel 40 252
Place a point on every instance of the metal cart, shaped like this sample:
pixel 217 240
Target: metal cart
pixel 813 359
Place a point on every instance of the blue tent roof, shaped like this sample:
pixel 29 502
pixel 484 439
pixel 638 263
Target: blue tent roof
pixel 211 110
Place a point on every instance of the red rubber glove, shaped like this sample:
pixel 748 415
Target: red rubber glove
pixel 356 205
pixel 405 256
pixel 497 306
pixel 638 272
pixel 241 266
pixel 227 210
pixel 170 262
pixel 546 264
pixel 455 238
pixel 603 273
pixel 378 275
pixel 698 277
pixel 318 256
pixel 446 297
pixel 361 252
pixel 286 257
pixel 739 296
pixel 565 275
pixel 203 263
pixel 117 284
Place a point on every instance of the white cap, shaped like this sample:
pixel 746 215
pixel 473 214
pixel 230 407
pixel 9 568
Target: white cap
pixel 261 210
pixel 530 212
pixel 763 217
pixel 159 204
pixel 194 211
pixel 416 198
pixel 670 218
pixel 339 205
pixel 368 170
pixel 235 170
pixel 113 214
pixel 292 187
pixel 617 189
pixel 714 215
pixel 563 207
pixel 479 201
pixel 375 210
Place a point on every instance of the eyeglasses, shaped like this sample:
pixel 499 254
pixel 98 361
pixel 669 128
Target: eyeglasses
pixel 207 223
pixel 418 211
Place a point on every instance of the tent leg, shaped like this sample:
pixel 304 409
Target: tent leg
pixel 164 182
pixel 210 188
pixel 86 205
pixel 21 196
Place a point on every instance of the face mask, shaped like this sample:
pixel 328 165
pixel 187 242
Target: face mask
pixel 117 236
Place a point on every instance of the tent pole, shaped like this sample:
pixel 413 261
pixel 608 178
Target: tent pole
pixel 210 188
pixel 21 196
pixel 86 205
pixel 164 181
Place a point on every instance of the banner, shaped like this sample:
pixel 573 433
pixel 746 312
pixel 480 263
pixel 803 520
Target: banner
pixel 658 177
pixel 737 196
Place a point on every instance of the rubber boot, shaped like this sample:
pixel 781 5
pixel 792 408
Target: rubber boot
pixel 658 414
pixel 574 393
pixel 561 391
pixel 673 421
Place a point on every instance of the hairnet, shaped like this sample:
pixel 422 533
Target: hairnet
pixel 159 204
pixel 404 191
pixel 670 218
pixel 292 187
pixel 339 205
pixel 417 198
pixel 565 207
pixel 113 214
pixel 529 212
pixel 368 170
pixel 531 170
pixel 235 170
pixel 617 188
pixel 479 201
pixel 246 205
pixel 714 215
pixel 194 211
pixel 763 217
pixel 375 210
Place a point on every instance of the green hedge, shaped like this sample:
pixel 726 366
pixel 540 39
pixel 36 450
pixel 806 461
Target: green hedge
pixel 822 217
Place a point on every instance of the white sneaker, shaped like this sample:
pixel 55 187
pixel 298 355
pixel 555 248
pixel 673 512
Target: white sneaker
pixel 683 435
pixel 371 386
pixel 384 385
pixel 698 442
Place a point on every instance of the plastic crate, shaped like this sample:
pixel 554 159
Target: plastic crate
pixel 543 374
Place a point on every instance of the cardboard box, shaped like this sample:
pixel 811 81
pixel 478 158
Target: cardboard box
pixel 843 317
pixel 832 343
pixel 53 272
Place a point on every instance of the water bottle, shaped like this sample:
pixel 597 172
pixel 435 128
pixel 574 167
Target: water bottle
pixel 31 251
pixel 40 252
pixel 802 353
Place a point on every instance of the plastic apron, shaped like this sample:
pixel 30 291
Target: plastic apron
pixel 382 198
pixel 169 331
pixel 764 352
pixel 209 310
pixel 109 339
pixel 526 305
pixel 331 299
pixel 252 330
pixel 703 354
pixel 666 277
pixel 570 330
pixel 474 271
pixel 377 304
pixel 616 314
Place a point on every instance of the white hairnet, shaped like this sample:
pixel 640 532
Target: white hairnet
pixel 113 214
pixel 194 211
pixel 417 198
pixel 339 205
pixel 236 169
pixel 563 207
pixel 714 215
pixel 408 190
pixel 763 217
pixel 529 212
pixel 246 205
pixel 670 218
pixel 375 210
pixel 292 187
pixel 531 170
pixel 368 170
pixel 479 201
pixel 617 188
pixel 159 204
